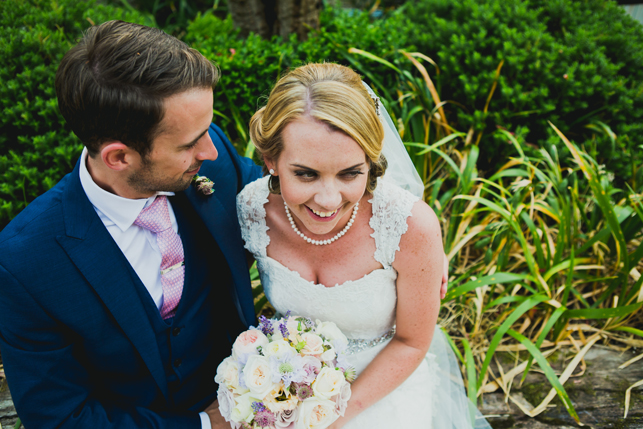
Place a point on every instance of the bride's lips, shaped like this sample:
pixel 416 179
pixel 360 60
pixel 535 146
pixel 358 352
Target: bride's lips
pixel 319 218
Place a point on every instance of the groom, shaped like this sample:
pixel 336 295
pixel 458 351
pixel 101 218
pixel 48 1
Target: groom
pixel 122 287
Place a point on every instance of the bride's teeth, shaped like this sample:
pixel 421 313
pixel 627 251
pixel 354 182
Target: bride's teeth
pixel 324 214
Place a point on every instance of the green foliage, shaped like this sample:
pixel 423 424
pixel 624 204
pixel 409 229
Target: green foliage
pixel 251 67
pixel 577 64
pixel 36 149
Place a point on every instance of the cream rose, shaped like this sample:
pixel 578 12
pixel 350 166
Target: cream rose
pixel 247 343
pixel 330 331
pixel 314 344
pixel 257 376
pixel 242 411
pixel 228 375
pixel 276 406
pixel 329 383
pixel 279 349
pixel 316 413
pixel 329 355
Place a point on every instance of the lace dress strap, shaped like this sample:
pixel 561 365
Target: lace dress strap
pixel 252 216
pixel 392 205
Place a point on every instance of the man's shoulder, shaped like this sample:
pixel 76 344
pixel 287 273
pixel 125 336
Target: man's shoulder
pixel 42 217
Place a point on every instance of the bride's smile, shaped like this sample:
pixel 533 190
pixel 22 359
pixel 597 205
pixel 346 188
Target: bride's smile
pixel 322 175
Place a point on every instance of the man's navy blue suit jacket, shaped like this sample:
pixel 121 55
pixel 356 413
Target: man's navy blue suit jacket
pixel 77 341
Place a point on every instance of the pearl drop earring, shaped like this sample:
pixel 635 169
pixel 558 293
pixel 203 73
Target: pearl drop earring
pixel 272 172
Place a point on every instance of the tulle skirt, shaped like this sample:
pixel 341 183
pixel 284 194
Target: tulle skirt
pixel 433 397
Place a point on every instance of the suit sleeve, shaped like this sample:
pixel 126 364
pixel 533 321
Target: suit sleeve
pixel 247 170
pixel 49 386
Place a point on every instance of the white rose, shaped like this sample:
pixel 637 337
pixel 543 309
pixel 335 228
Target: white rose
pixel 257 376
pixel 329 383
pixel 242 411
pixel 330 331
pixel 228 375
pixel 279 349
pixel 329 355
pixel 314 344
pixel 247 343
pixel 316 413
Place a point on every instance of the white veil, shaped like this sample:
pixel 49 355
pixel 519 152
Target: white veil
pixel 455 409
pixel 400 170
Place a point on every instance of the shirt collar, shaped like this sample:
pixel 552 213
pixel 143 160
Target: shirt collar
pixel 121 211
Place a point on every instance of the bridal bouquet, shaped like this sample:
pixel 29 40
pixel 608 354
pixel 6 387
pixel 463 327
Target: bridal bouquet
pixel 287 373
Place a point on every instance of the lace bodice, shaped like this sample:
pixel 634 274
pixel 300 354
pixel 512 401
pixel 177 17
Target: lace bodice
pixel 363 308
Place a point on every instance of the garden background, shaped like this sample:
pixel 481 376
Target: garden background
pixel 523 117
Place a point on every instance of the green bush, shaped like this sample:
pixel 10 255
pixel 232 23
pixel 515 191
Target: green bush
pixel 578 64
pixel 251 67
pixel 36 149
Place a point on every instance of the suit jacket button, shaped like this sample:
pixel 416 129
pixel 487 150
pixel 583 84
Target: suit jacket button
pixel 177 362
pixel 176 331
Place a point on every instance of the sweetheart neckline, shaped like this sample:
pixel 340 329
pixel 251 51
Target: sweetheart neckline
pixel 319 285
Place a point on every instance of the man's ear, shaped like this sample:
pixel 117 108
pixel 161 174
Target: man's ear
pixel 118 156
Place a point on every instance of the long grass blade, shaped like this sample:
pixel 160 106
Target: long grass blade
pixel 472 390
pixel 527 305
pixel 549 373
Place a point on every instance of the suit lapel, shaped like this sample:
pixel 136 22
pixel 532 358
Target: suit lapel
pixel 92 249
pixel 224 227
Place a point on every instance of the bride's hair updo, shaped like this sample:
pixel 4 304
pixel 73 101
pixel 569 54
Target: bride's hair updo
pixel 330 93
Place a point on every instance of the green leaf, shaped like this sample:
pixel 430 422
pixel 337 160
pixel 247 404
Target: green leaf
pixel 549 372
pixel 602 313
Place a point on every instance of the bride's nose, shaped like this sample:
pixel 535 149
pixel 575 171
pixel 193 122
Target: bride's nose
pixel 328 197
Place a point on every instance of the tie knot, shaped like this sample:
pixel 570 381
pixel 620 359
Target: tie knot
pixel 156 217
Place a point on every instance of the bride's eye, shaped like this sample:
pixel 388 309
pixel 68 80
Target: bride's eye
pixel 305 174
pixel 351 174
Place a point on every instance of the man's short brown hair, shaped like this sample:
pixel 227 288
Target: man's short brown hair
pixel 112 84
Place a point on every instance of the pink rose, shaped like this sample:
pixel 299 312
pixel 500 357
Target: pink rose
pixel 341 400
pixel 286 419
pixel 247 343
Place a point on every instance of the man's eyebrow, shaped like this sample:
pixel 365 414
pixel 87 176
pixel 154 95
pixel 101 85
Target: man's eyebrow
pixel 194 141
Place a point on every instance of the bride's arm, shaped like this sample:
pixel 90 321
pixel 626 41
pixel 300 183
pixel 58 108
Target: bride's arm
pixel 419 264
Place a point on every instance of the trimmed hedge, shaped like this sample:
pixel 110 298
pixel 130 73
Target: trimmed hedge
pixel 36 149
pixel 578 64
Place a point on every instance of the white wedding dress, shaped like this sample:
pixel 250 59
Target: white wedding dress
pixel 364 309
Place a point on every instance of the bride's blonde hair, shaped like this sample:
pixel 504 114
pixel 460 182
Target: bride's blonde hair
pixel 330 93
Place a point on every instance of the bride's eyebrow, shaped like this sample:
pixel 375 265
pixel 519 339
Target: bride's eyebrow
pixel 312 169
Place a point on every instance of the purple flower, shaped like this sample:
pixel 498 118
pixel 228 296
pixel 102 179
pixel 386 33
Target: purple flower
pixel 265 326
pixel 283 329
pixel 258 407
pixel 288 368
pixel 265 418
pixel 304 392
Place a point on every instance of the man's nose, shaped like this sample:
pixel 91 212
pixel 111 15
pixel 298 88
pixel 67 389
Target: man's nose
pixel 206 149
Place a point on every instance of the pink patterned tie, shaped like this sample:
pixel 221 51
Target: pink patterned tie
pixel 156 218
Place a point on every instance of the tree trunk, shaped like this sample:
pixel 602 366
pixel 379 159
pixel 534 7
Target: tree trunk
pixel 276 17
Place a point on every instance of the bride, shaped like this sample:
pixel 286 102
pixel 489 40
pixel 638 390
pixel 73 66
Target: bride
pixel 336 239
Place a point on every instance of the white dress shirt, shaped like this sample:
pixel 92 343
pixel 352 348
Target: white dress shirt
pixel 137 244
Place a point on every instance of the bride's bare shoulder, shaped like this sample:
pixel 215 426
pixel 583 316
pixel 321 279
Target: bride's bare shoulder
pixel 423 238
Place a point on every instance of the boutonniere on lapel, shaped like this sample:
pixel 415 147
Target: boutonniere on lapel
pixel 204 185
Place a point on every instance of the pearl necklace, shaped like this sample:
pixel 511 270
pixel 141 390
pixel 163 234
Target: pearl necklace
pixel 321 242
